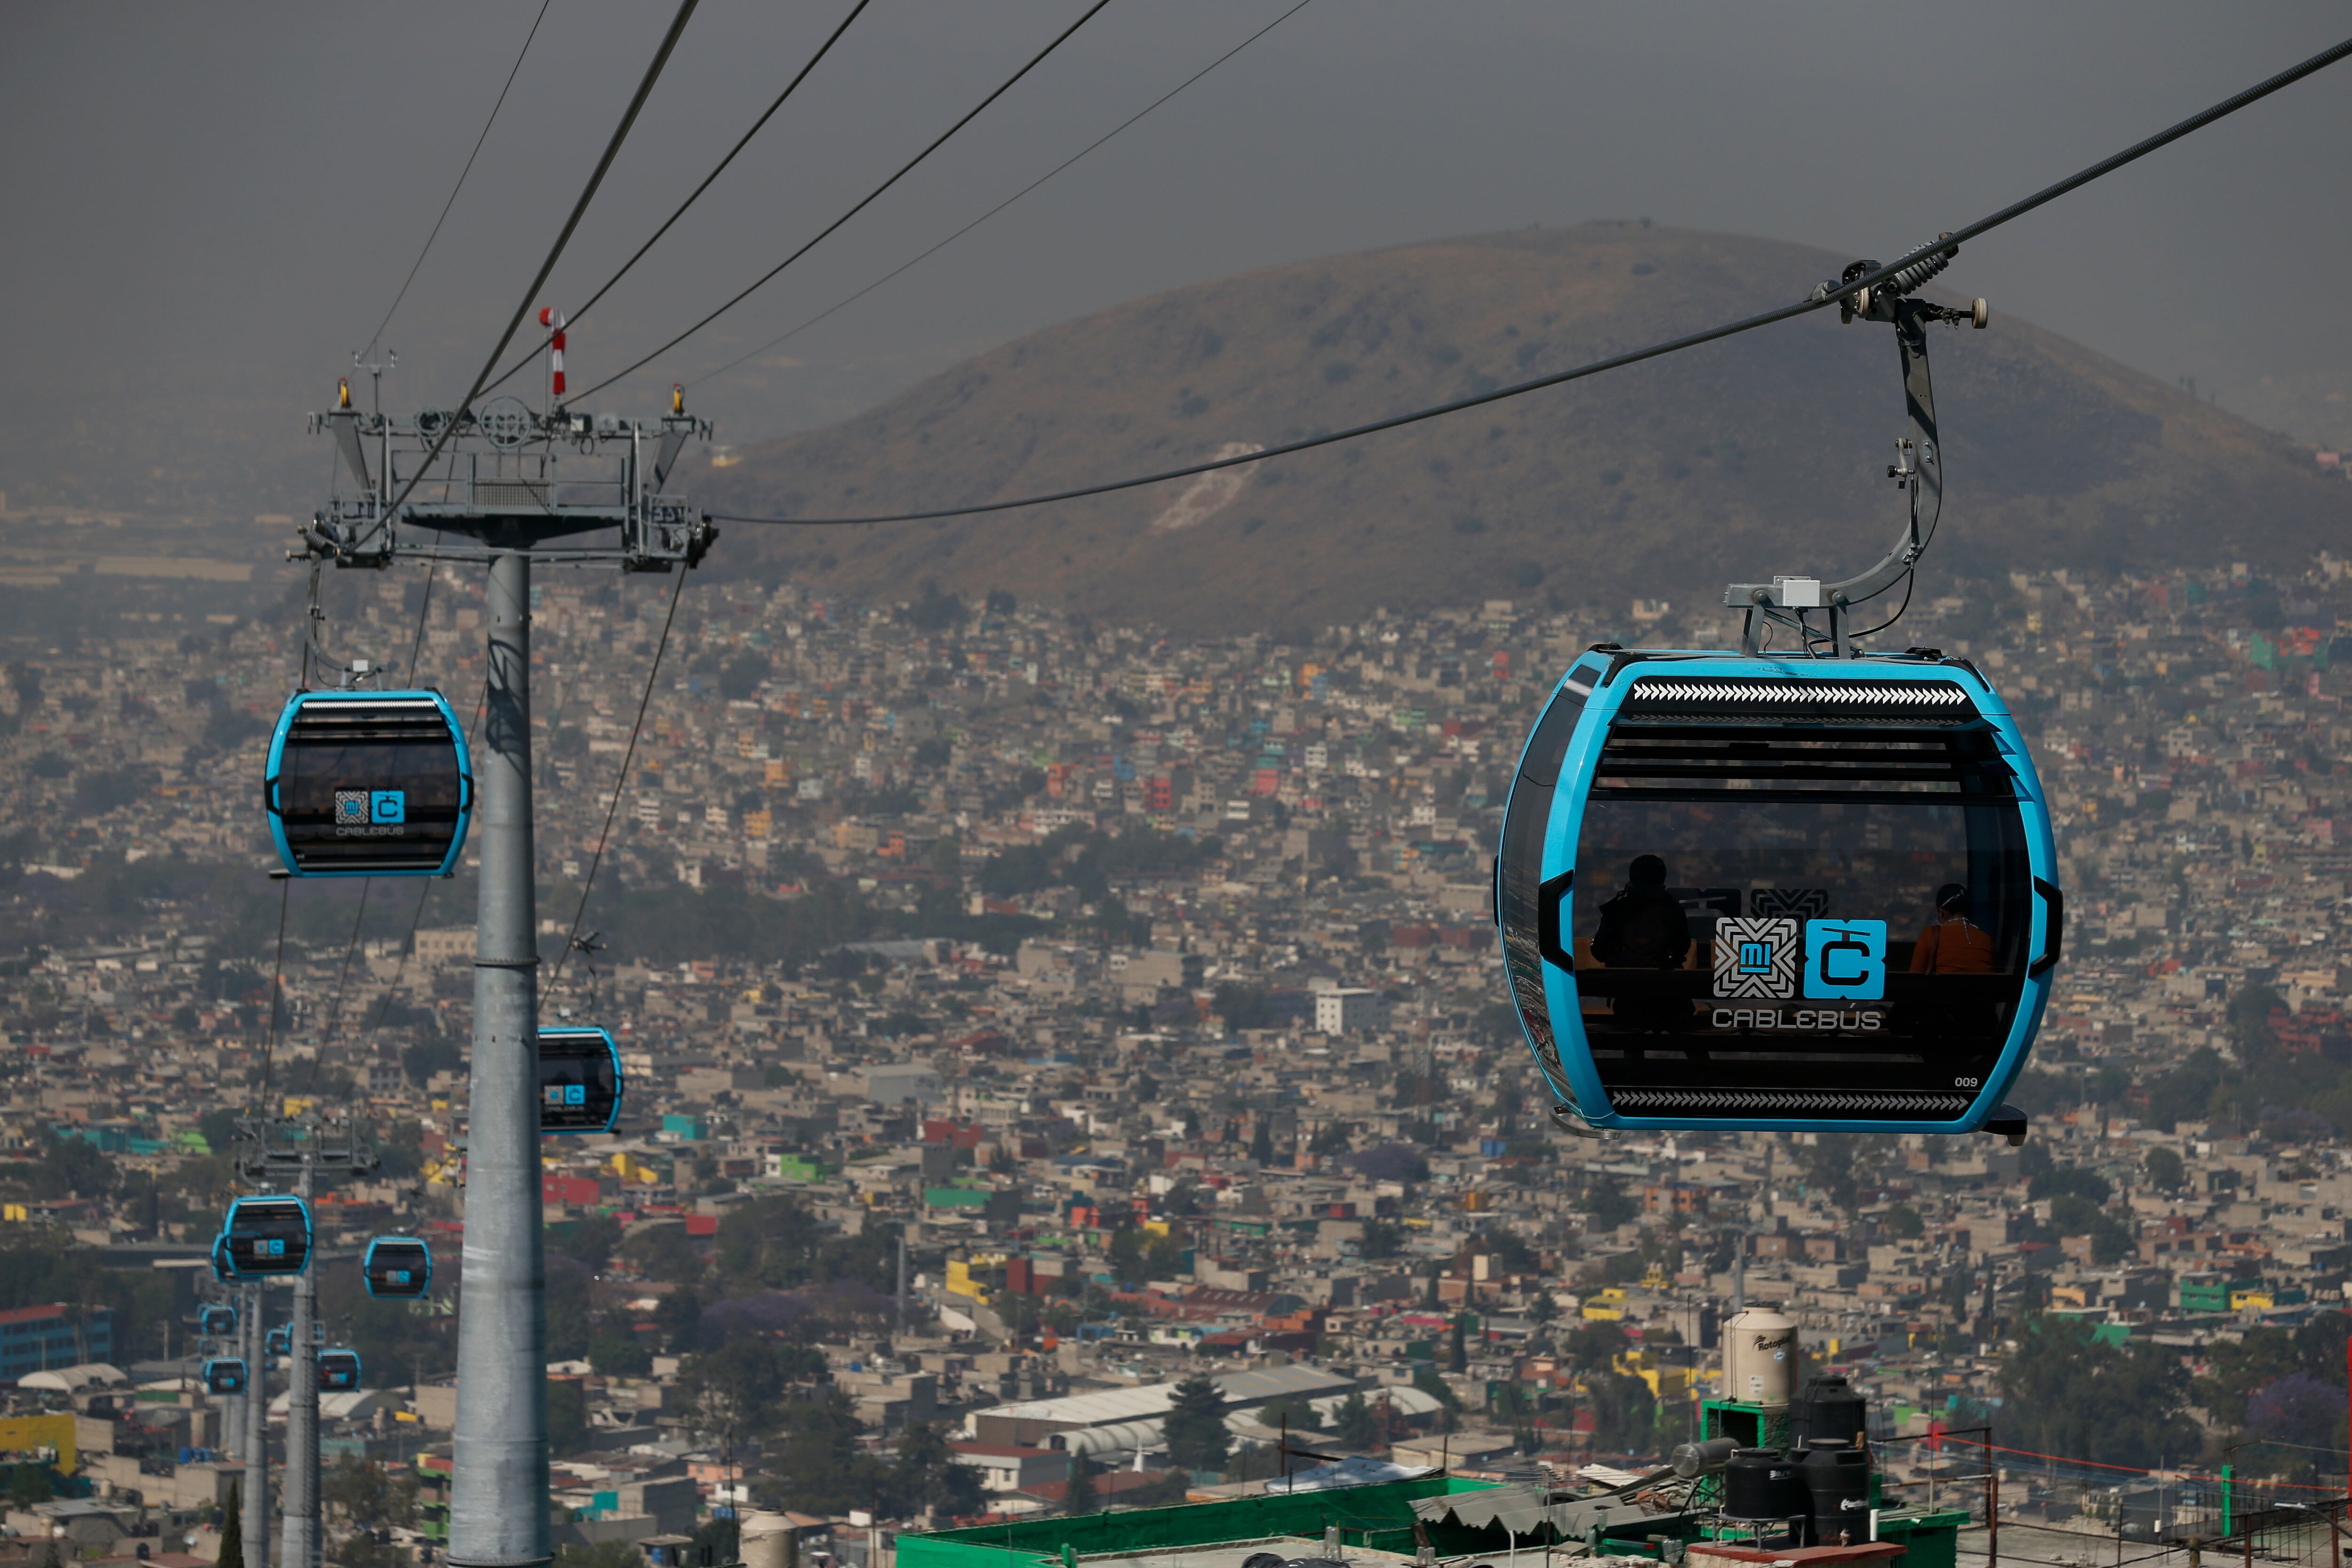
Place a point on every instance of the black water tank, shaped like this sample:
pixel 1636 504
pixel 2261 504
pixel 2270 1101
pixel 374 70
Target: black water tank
pixel 1829 1407
pixel 1761 1483
pixel 1836 1479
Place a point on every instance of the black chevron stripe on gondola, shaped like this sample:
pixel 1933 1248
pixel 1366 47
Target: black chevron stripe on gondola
pixel 1725 1101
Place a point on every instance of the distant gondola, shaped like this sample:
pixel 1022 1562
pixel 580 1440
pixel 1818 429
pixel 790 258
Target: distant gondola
pixel 225 1375
pixel 368 784
pixel 579 1080
pixel 339 1370
pixel 268 1237
pixel 398 1268
pixel 217 1321
pixel 278 1341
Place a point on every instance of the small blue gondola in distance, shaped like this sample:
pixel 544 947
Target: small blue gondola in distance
pixel 279 1341
pixel 217 1321
pixel 397 1267
pixel 580 1084
pixel 225 1375
pixel 266 1237
pixel 339 1370
pixel 368 784
pixel 1748 892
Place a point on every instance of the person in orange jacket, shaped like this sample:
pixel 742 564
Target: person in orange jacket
pixel 1952 943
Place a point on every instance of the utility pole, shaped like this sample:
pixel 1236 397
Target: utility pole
pixel 496 485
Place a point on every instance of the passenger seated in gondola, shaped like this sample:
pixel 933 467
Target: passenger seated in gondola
pixel 1645 926
pixel 1952 943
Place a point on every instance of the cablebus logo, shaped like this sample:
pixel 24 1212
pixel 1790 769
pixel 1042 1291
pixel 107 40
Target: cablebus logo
pixel 369 811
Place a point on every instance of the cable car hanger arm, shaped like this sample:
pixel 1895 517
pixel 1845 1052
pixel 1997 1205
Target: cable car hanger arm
pixel 1918 467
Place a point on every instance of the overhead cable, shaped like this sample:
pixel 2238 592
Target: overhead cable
pixel 926 254
pixel 1821 299
pixel 862 202
pixel 588 885
pixel 277 993
pixel 377 335
pixel 587 194
pixel 574 319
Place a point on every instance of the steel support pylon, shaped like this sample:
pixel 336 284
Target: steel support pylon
pixel 299 1544
pixel 499 1498
pixel 253 1517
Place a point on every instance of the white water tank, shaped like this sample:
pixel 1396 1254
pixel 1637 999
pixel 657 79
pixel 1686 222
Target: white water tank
pixel 769 1542
pixel 1760 1357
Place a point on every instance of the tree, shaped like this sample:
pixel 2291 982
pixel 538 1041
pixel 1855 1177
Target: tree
pixel 615 1352
pixel 1903 1221
pixel 1194 1430
pixel 2065 1393
pixel 814 1465
pixel 2298 1410
pixel 1352 1424
pixel 1293 1412
pixel 367 1495
pixel 603 1554
pixel 1608 1206
pixel 2070 1181
pixel 231 1540
pixel 739 676
pixel 2072 1215
pixel 30 1486
pixel 734 1388
pixel 927 1474
pixel 662 1252
pixel 1624 1414
pixel 567 1414
pixel 1080 1495
pixel 2165 1170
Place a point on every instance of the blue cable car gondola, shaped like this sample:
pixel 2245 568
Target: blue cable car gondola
pixel 225 1375
pixel 339 1370
pixel 268 1237
pixel 1802 892
pixel 278 1341
pixel 398 1268
pixel 579 1080
pixel 1749 892
pixel 368 784
pixel 217 1321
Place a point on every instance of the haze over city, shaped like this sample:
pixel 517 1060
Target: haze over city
pixel 567 998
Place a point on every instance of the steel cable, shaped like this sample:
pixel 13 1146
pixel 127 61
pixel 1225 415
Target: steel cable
pixel 628 755
pixel 926 254
pixel 1822 300
pixel 377 336
pixel 863 203
pixel 638 255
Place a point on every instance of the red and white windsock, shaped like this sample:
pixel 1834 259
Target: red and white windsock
pixel 549 316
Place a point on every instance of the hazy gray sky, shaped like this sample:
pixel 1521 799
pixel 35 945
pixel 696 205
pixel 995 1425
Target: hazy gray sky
pixel 208 207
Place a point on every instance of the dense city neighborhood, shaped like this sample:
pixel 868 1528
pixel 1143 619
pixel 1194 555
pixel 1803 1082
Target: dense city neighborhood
pixel 1067 1066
